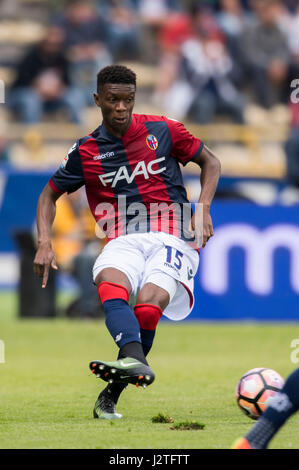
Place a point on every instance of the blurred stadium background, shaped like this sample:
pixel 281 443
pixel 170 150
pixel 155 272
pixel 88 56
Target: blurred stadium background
pixel 228 69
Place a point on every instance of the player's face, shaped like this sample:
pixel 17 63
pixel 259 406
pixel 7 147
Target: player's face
pixel 116 102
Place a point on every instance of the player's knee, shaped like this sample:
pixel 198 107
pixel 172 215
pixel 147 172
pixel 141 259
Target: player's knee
pixel 148 315
pixel 112 275
pixel 110 291
pixel 153 295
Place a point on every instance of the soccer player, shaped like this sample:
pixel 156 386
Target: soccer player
pixel 282 407
pixel 129 165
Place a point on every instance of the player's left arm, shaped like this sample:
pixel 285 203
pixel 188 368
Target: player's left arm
pixel 201 222
pixel 187 148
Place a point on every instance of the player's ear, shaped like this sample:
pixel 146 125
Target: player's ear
pixel 97 100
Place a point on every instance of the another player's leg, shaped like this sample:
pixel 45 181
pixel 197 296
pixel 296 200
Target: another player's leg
pixel 283 405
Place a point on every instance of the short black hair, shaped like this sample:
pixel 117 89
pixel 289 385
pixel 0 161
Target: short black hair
pixel 115 74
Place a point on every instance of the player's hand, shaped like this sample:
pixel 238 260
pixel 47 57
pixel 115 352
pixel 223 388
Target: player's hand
pixel 201 224
pixel 208 230
pixel 44 259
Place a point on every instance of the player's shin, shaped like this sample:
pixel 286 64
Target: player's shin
pixel 148 316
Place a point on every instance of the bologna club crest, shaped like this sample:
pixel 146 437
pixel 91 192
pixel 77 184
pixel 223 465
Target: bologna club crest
pixel 152 142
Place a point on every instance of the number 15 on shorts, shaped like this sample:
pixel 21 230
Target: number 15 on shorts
pixel 174 256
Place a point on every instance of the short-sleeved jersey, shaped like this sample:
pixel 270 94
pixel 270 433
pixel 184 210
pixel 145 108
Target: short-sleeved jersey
pixel 122 176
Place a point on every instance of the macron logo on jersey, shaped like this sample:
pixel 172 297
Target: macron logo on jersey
pixel 140 169
pixel 103 156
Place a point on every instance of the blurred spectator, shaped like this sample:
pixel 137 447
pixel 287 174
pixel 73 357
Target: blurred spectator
pixel 232 18
pixel 174 32
pixel 266 55
pixel 291 5
pixel 293 34
pixel 8 8
pixel 86 40
pixel 289 24
pixel 153 11
pixel 43 82
pixel 123 28
pixel 233 21
pixel 202 71
pixel 176 29
pixel 153 14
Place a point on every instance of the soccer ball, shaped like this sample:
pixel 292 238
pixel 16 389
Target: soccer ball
pixel 256 389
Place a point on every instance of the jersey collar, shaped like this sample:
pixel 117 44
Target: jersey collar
pixel 102 131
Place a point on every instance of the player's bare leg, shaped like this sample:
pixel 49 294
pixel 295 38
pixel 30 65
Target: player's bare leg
pixel 150 303
pixel 153 294
pixel 113 275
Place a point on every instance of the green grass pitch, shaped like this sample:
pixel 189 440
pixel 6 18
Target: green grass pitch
pixel 47 391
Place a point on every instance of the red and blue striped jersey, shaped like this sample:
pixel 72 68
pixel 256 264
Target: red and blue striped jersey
pixel 121 174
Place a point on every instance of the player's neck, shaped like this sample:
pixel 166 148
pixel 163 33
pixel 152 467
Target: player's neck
pixel 119 131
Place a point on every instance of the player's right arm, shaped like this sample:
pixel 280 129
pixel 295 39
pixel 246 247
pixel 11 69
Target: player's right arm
pixel 45 256
pixel 68 178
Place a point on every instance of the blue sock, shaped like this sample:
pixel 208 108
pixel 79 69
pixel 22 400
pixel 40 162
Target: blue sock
pixel 282 407
pixel 121 322
pixel 147 338
pixel 291 388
